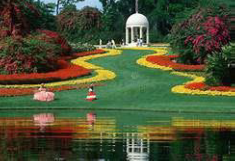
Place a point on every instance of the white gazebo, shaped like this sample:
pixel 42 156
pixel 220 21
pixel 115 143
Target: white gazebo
pixel 137 27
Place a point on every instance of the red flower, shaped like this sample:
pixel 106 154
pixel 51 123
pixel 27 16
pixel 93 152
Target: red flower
pixel 197 85
pixel 166 60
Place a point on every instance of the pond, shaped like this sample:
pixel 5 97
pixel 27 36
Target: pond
pixel 73 135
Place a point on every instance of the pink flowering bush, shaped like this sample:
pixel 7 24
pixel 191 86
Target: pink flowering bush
pixel 200 35
pixel 212 36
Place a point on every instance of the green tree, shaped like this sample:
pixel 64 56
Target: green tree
pixel 64 3
pixel 80 25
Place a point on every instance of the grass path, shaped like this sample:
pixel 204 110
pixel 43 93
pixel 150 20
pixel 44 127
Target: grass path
pixel 135 87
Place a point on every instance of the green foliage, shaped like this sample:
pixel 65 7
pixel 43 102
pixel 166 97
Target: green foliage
pixel 80 25
pixel 217 72
pixel 46 19
pixel 62 4
pixel 79 47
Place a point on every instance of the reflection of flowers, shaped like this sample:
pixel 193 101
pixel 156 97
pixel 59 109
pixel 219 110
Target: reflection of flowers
pixel 43 119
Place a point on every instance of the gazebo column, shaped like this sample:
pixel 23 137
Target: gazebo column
pixel 147 36
pixel 132 34
pixel 141 32
pixel 127 35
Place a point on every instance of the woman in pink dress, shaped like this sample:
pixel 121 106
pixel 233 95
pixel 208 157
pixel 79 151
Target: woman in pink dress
pixel 43 95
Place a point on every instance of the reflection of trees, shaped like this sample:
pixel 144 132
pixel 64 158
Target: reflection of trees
pixel 212 144
pixel 160 151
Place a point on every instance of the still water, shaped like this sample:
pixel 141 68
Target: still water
pixel 115 136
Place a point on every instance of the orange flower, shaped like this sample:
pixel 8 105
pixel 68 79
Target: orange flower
pixel 167 61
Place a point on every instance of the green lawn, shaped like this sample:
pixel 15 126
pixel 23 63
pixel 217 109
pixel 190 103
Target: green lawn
pixel 135 87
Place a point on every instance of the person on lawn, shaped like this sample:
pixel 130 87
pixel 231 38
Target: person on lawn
pixel 91 96
pixel 43 95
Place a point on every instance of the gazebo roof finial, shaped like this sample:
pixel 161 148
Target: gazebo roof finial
pixel 136 6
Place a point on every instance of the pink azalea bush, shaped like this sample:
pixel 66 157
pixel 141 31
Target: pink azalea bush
pixel 212 36
pixel 200 35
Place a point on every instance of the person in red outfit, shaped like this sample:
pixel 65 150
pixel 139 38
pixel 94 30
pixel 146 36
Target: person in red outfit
pixel 91 96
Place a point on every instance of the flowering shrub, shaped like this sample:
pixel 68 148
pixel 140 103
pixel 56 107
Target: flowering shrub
pixel 165 60
pixel 51 36
pixel 213 37
pixel 200 35
pixel 26 55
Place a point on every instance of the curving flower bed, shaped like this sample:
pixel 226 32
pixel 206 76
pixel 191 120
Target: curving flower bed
pixel 203 86
pixel 102 74
pixel 194 87
pixel 86 53
pixel 167 61
pixel 66 71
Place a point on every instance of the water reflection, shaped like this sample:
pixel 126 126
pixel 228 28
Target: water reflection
pixel 44 136
pixel 43 119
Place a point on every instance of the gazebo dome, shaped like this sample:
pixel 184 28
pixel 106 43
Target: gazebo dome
pixel 137 19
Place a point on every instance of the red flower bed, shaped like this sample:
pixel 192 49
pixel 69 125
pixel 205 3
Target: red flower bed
pixel 66 71
pixel 194 86
pixel 166 60
pixel 86 53
pixel 203 86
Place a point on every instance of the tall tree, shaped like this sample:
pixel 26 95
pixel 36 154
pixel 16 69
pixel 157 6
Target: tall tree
pixel 64 3
pixel 14 21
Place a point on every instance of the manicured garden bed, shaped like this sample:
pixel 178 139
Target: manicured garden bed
pixel 169 61
pixel 196 87
pixel 67 71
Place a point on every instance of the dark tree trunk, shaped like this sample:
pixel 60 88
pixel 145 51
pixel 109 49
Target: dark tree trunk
pixel 57 7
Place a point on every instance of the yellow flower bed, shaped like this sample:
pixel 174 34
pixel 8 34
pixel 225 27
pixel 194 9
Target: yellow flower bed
pixel 159 51
pixel 181 88
pixel 101 74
